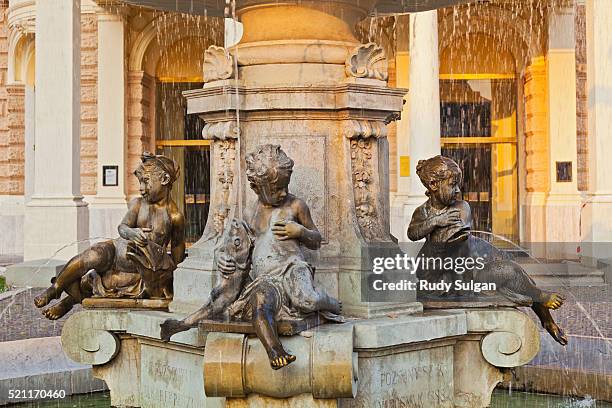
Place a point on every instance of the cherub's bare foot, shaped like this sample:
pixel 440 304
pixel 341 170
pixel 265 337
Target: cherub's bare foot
pixel 46 297
pixel 553 300
pixel 556 332
pixel 280 358
pixel 59 310
pixel 170 327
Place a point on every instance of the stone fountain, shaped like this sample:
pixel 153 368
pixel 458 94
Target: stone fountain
pixel 300 79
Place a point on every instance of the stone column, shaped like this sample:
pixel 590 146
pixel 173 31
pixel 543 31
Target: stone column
pixel 418 133
pixel 109 204
pixel 599 85
pixel 56 215
pixel 563 201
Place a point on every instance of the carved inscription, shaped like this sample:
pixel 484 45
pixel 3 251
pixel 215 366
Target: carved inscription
pixel 169 377
pixel 418 379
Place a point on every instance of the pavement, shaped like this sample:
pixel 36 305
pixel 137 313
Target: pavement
pixel 20 319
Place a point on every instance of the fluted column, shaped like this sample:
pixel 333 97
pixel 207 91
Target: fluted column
pixel 57 214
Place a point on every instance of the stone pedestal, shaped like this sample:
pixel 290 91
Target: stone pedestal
pixel 443 358
pixel 321 96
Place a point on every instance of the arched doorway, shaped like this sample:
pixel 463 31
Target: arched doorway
pixel 168 54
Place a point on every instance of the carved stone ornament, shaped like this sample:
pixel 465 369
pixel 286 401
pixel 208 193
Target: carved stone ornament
pixel 362 135
pixel 368 61
pixel 226 155
pixel 218 64
pixel 221 131
pixel 364 129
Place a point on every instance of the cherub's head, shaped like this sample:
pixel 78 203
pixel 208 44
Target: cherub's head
pixel 156 175
pixel 269 172
pixel 441 177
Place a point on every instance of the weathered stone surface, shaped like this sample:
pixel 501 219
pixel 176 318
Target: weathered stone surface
pixel 122 374
pixel 414 377
pixel 40 364
pixel 385 332
pixel 513 338
pixel 474 377
pixel 36 274
pixel 172 377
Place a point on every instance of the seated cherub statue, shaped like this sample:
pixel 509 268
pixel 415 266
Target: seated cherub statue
pixel 445 222
pixel 281 283
pixel 137 264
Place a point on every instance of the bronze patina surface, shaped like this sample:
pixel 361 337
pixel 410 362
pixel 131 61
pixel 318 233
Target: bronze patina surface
pixel 445 222
pixel 265 280
pixel 136 265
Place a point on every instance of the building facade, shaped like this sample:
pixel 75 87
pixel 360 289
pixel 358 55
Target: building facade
pixel 516 92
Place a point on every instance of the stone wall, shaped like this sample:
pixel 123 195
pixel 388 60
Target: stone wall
pixel 15 121
pixel 582 108
pixel 140 86
pixel 7 182
pixel 89 106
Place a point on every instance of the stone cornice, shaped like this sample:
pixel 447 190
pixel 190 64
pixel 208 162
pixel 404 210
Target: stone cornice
pixel 321 98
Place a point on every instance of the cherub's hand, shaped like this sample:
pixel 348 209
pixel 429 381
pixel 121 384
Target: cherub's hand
pixel 450 217
pixel 138 235
pixel 226 264
pixel 284 230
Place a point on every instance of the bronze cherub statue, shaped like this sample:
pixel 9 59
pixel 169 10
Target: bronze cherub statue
pixel 135 265
pixel 445 222
pixel 279 285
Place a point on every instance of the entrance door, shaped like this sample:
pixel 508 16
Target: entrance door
pixel 478 126
pixel 179 136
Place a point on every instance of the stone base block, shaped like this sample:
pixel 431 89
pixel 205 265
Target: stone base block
pixel 441 358
pixel 35 274
pixel 40 364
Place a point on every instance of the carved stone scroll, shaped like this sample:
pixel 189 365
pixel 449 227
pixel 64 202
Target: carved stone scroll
pixel 368 61
pixel 87 337
pixel 218 64
pixel 512 340
pixel 228 130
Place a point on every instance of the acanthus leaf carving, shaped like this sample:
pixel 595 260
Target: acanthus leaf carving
pixel 218 64
pixel 221 130
pixel 368 61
